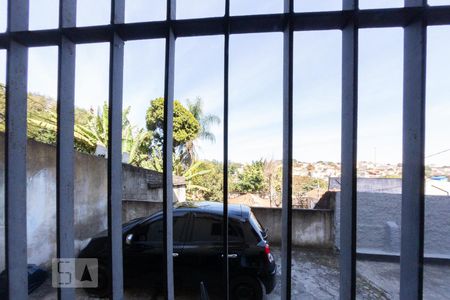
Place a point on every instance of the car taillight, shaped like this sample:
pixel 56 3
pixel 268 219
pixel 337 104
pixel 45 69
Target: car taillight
pixel 267 252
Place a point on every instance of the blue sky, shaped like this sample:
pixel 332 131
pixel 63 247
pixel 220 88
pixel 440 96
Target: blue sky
pixel 256 79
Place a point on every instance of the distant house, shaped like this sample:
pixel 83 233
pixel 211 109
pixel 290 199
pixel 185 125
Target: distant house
pixel 250 200
pixel 370 185
pixel 438 186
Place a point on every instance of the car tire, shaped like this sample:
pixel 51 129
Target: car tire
pixel 102 291
pixel 246 288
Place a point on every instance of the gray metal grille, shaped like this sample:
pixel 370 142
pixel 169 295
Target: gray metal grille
pixel 414 18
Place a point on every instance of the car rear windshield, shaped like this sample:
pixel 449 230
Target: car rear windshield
pixel 256 225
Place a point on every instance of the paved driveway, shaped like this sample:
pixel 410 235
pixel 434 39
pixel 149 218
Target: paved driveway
pixel 315 275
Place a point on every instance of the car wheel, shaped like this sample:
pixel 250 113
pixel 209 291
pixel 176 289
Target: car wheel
pixel 102 291
pixel 246 288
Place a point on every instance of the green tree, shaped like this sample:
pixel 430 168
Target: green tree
pixel 185 126
pixel 251 180
pixel 205 120
pixel 90 130
pixel 42 121
pixel 207 185
pixel 203 178
pixel 46 125
pixel 185 129
pixel 132 139
pixel 137 144
pixel 304 184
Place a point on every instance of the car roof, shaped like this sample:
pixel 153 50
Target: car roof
pixel 234 210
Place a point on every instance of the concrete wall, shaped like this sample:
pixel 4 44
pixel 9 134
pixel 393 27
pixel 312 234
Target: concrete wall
pixel 313 228
pixel 90 197
pixel 310 228
pixel 146 185
pixel 136 209
pixel 379 221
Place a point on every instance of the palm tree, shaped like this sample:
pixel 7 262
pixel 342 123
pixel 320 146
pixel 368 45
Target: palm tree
pixel 95 132
pixel 136 144
pixel 206 121
pixel 179 168
pixel 84 138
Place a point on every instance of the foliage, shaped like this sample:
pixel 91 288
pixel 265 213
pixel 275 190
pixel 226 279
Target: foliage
pixel 394 176
pixel 264 177
pixel 272 177
pixel 203 178
pixel 189 124
pixel 304 184
pixel 134 142
pixel 46 124
pixel 251 180
pixel 205 121
pixel 428 171
pixel 209 178
pixel 89 130
pixel 42 121
pixel 137 146
pixel 185 126
pixel 233 168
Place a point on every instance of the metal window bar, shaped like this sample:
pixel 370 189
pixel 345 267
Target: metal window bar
pixel 226 65
pixel 65 142
pixel 15 154
pixel 167 151
pixel 412 234
pixel 115 153
pixel 415 18
pixel 349 119
pixel 286 213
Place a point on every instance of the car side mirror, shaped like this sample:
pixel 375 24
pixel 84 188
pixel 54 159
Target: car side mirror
pixel 129 239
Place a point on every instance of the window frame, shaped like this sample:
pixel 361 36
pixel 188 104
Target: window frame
pixel 415 17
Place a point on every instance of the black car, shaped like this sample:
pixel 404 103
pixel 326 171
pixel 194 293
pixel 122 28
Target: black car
pixel 197 250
